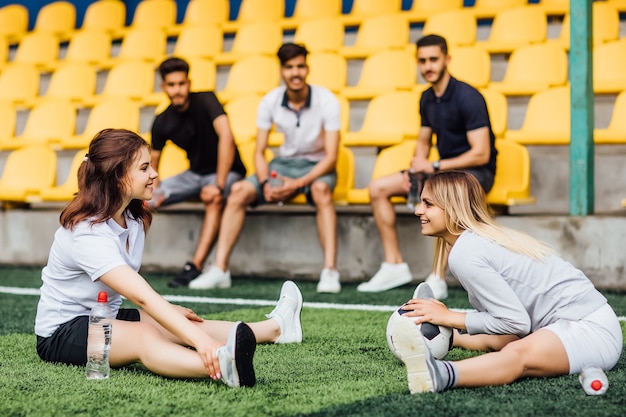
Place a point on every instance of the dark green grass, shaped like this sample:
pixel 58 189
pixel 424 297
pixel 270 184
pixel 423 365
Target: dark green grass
pixel 343 368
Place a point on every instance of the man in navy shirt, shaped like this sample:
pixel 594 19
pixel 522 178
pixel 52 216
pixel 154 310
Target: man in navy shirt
pixel 457 113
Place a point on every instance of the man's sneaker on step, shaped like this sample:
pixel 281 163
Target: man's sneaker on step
pixel 329 282
pixel 236 357
pixel 213 278
pixel 185 276
pixel 388 276
pixel 287 313
pixel 438 285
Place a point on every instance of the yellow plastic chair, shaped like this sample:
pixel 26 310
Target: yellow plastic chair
pixel 105 15
pixel 615 132
pixel 173 161
pixel 9 119
pixel 327 69
pixel 511 186
pixel 609 67
pixel 254 11
pixel 19 84
pixel 40 49
pixel 379 33
pixel 605 25
pixel 74 81
pixel 89 46
pixel 58 18
pixel 363 9
pixel 458 26
pixel 497 106
pixel 131 79
pixel 141 44
pixel 547 120
pixel 112 112
pixel 513 28
pixel 69 188
pixel 471 64
pixel 321 35
pixel 383 72
pixel 390 118
pixel 159 14
pixel 260 38
pixel 202 73
pixel 242 114
pixel 554 7
pixel 204 13
pixel 199 41
pixel 27 171
pixel 246 152
pixel 620 5
pixel 488 9
pixel 4 52
pixel 13 22
pixel 524 77
pixel 306 10
pixel 252 75
pixel 422 10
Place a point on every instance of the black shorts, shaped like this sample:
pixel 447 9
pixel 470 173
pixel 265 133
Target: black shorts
pixel 483 174
pixel 68 344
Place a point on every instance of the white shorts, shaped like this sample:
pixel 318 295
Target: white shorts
pixel 592 340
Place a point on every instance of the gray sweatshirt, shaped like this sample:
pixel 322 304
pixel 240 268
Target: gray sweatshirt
pixel 515 294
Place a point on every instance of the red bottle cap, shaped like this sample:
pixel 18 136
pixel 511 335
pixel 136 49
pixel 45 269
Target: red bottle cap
pixel 103 297
pixel 596 385
pixel 273 174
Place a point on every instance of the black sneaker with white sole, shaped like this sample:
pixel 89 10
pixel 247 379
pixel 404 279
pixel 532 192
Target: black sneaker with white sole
pixel 185 276
pixel 236 357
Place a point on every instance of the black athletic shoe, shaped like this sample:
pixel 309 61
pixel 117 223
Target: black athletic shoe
pixel 185 276
pixel 236 357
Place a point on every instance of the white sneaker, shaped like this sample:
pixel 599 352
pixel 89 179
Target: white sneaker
pixel 438 285
pixel 329 282
pixel 287 313
pixel 236 357
pixel 387 278
pixel 423 291
pixel 213 278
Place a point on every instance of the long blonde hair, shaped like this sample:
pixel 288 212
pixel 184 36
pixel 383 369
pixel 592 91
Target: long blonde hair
pixel 462 199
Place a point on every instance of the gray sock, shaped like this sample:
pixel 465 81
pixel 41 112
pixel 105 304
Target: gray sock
pixel 444 373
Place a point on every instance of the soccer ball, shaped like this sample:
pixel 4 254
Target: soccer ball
pixel 437 338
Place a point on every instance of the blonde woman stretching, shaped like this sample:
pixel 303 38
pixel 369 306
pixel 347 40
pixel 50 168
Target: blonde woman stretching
pixel 536 314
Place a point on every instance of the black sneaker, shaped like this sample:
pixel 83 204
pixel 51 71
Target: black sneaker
pixel 185 276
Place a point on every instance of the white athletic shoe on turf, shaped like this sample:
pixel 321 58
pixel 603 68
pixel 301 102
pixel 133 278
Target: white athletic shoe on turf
pixel 329 282
pixel 387 277
pixel 421 367
pixel 213 278
pixel 438 285
pixel 287 313
pixel 236 357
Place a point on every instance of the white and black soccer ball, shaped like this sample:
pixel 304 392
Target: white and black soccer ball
pixel 437 338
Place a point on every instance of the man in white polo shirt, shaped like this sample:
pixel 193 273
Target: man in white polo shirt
pixel 308 116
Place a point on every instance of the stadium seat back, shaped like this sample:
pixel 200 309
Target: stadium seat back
pixel 488 9
pixel 345 175
pixel 202 73
pixel 516 27
pixel 609 67
pixel 497 106
pixel 160 14
pixel 252 75
pixel 73 81
pixel 423 10
pixel 50 121
pixel 379 33
pixel 327 69
pixel 363 9
pixel 173 161
pixel 38 48
pixel 105 15
pixel 255 11
pixel 27 170
pixel 246 152
pixel 471 64
pixel 258 38
pixel 143 43
pixel 605 25
pixel 113 112
pixel 58 18
pixel 199 41
pixel 69 187
pixel 306 10
pixel 9 119
pixel 89 46
pixel 206 13
pixel 615 132
pixel 458 26
pixel 19 83
pixel 512 180
pixel 321 35
pixel 13 22
pixel 242 114
pixel 132 79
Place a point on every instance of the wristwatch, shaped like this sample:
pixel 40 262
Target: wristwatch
pixel 436 166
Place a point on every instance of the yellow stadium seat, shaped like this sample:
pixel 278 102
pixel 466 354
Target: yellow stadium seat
pixel 497 106
pixel 327 69
pixel 516 27
pixel 105 15
pixel 66 190
pixel 9 119
pixel 605 25
pixel 74 81
pixel 252 75
pixel 58 18
pixel 199 42
pixel 609 67
pixel 202 73
pixel 554 7
pixel 27 171
pixel 246 152
pixel 173 161
pixel 254 11
pixel 159 14
pixel 363 9
pixel 547 120
pixel 383 72
pixel 390 118
pixel 488 9
pixel 38 48
pixel 620 5
pixel 260 38
pixel 306 10
pixel 524 77
pixel 471 64
pixel 422 10
pixel 379 33
pixel 242 114
pixel 13 22
pixel 131 79
pixel 19 84
pixel 511 186
pixel 4 52
pixel 141 44
pixel 458 26
pixel 89 46
pixel 204 13
pixel 616 130
pixel 112 112
pixel 321 35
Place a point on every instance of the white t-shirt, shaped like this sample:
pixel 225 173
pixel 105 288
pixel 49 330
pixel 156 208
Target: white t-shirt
pixel 78 258
pixel 303 130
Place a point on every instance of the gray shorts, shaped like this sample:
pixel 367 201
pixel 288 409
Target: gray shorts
pixel 187 185
pixel 292 168
pixel 483 174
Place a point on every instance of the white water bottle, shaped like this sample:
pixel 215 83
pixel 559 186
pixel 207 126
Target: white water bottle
pixel 593 380
pixel 275 181
pixel 99 339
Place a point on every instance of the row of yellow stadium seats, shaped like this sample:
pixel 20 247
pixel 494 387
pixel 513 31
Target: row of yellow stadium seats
pixel 30 173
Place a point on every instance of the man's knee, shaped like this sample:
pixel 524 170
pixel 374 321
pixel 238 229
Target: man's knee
pixel 321 192
pixel 242 193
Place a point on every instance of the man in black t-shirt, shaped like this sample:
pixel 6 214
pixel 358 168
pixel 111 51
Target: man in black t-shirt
pixel 197 123
pixel 457 113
